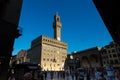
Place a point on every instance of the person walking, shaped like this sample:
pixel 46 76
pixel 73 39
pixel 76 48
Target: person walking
pixel 51 74
pixel 72 74
pixel 98 74
pixel 11 77
pixel 117 74
pixel 110 72
pixel 45 73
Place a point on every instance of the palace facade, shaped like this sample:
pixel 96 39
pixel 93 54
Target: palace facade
pixel 49 53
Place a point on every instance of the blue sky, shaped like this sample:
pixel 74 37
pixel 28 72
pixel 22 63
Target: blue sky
pixel 82 26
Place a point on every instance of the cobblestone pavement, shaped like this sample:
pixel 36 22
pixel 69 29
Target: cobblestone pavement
pixel 55 77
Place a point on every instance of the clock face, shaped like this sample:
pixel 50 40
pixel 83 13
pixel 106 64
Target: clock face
pixel 58 38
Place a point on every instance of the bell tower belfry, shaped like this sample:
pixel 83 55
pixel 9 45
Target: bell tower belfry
pixel 57 27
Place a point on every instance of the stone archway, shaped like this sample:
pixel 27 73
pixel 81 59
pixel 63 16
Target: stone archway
pixel 85 62
pixel 94 60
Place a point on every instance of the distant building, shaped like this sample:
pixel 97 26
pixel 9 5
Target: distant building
pixel 89 58
pixel 71 64
pixel 22 56
pixel 12 61
pixel 111 54
pixel 49 53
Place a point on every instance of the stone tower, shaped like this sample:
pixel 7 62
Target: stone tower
pixel 57 27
